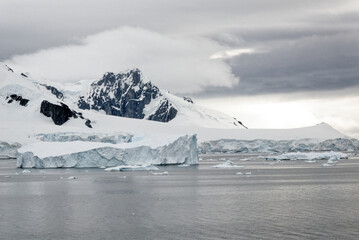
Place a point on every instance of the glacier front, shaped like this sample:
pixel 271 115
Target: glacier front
pixel 79 154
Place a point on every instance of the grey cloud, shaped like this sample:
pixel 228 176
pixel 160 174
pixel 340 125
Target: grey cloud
pixel 27 26
pixel 310 63
pixel 309 45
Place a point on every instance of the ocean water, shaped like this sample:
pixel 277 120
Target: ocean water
pixel 270 200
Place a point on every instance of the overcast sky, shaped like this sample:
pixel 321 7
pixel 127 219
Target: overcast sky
pixel 256 60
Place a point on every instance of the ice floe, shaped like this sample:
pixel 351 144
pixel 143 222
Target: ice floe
pixel 160 173
pixel 132 168
pixel 227 164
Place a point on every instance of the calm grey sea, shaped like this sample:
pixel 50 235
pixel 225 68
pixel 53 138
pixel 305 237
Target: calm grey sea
pixel 286 200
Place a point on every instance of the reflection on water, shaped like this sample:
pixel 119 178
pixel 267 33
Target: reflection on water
pixel 287 200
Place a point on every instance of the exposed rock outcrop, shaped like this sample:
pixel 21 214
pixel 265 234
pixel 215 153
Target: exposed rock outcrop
pixel 165 113
pixel 54 91
pixel 13 97
pixel 59 113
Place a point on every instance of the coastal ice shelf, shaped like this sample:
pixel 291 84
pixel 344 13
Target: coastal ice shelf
pixel 80 154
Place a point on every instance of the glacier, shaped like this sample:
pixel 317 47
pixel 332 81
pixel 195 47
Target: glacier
pixel 86 137
pixel 277 146
pixel 79 154
pixel 8 150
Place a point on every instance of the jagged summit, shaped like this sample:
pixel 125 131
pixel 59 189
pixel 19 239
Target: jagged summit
pixel 127 95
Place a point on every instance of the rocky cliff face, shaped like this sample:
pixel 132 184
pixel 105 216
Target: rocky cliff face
pixel 126 95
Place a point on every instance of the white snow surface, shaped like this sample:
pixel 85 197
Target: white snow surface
pixel 310 156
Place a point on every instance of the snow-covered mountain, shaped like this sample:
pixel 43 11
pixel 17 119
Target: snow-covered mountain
pixel 130 94
pixel 90 111
pixel 126 94
pixel 26 101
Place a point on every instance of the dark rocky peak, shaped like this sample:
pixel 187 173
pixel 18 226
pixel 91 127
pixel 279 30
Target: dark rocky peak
pixel 24 75
pixel 13 97
pixel 122 94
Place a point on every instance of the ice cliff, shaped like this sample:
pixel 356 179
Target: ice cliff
pixel 81 154
pixel 278 146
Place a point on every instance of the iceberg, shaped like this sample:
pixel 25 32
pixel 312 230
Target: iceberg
pixel 80 154
pixel 8 150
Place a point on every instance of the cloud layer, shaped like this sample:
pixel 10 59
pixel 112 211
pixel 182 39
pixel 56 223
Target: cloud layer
pixel 178 64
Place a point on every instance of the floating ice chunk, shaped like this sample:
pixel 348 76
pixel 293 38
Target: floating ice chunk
pixel 7 177
pixel 184 165
pixel 239 173
pixel 72 177
pixel 227 164
pixel 160 173
pixel 26 171
pixel 132 168
pixel 248 173
pixel 333 160
pixel 327 165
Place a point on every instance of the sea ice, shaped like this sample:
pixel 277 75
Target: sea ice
pixel 309 156
pixel 131 168
pixel 227 164
pixel 184 165
pixel 160 173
